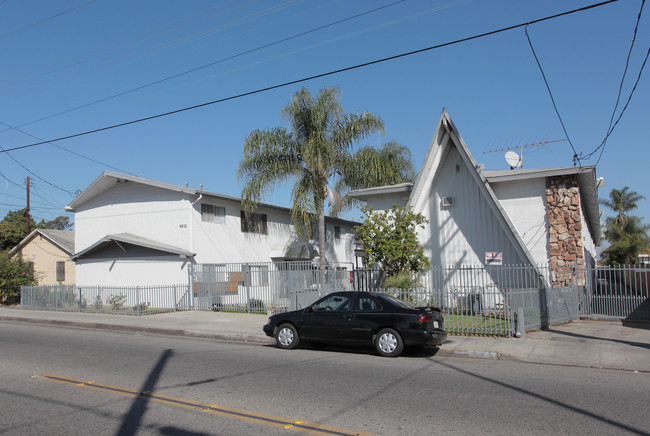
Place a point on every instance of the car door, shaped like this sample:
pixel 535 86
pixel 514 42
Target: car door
pixel 366 317
pixel 324 320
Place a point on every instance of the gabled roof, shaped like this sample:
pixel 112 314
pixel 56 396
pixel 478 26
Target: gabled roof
pixel 63 239
pixel 586 181
pixel 108 179
pixel 446 135
pixel 127 238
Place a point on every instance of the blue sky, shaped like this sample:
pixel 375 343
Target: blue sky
pixel 68 60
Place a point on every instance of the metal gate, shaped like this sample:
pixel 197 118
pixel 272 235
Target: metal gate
pixel 264 287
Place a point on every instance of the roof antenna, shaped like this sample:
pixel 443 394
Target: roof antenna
pixel 510 154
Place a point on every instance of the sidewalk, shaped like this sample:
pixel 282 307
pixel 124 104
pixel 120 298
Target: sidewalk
pixel 585 343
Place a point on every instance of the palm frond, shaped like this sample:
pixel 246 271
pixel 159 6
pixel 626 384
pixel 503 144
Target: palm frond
pixel 269 158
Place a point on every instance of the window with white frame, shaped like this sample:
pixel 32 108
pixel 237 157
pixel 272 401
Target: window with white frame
pixel 213 214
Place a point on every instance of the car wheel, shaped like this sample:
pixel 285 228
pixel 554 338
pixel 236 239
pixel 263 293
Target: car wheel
pixel 389 343
pixel 287 337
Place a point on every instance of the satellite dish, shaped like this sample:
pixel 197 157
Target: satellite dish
pixel 513 159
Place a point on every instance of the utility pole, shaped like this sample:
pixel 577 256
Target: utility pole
pixel 27 209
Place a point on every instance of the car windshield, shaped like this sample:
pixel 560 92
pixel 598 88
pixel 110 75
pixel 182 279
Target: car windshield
pixel 397 301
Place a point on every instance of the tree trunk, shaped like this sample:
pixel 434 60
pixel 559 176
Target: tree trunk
pixel 321 238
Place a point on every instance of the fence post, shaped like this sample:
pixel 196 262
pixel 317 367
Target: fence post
pixel 190 286
pixel 543 308
pixel 137 298
pixel 79 299
pixel 521 325
pixel 247 282
pixel 175 301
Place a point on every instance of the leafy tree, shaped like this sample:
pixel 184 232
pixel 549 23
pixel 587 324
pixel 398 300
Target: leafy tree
pixel 13 228
pixel 58 223
pixel 14 273
pixel 316 154
pixel 627 235
pixel 390 240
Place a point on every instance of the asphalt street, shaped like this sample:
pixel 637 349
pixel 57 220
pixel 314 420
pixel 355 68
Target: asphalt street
pixel 597 344
pixel 70 380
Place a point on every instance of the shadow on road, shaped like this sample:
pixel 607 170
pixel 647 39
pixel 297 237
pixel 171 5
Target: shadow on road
pixel 132 419
pixel 554 401
pixel 644 325
pixel 599 338
pixel 175 431
pixel 426 351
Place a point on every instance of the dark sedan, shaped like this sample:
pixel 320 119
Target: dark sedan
pixel 359 318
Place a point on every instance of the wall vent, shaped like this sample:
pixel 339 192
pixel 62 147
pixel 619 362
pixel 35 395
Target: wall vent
pixel 448 202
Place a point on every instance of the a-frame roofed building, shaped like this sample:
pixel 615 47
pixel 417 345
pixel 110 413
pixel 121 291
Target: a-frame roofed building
pixel 466 219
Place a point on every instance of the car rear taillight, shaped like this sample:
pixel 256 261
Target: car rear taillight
pixel 424 318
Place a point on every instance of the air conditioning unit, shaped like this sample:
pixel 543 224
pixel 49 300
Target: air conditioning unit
pixel 448 202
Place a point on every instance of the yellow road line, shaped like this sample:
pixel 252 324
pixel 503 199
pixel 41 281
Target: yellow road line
pixel 215 409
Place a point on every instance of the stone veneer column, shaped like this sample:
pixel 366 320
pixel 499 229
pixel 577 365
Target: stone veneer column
pixel 565 230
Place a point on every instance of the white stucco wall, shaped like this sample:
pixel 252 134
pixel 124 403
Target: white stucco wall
pixel 153 213
pixel 132 272
pixel 525 204
pixel 225 242
pixel 173 218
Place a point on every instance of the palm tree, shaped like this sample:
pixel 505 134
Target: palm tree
pixel 369 167
pixel 622 201
pixel 626 235
pixel 627 238
pixel 316 154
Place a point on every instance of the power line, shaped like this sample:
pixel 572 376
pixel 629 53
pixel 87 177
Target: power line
pixel 11 181
pixel 65 149
pixel 612 125
pixel 212 63
pixel 317 76
pixel 548 87
pixel 627 63
pixel 134 55
pixel 120 41
pixel 46 19
pixel 4 194
pixel 645 60
pixel 34 174
pixel 22 206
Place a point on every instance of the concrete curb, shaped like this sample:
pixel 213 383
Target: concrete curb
pixel 142 329
pixel 490 355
